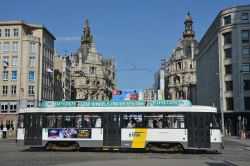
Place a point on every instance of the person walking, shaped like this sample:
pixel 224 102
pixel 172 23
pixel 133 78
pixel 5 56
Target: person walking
pixel 4 132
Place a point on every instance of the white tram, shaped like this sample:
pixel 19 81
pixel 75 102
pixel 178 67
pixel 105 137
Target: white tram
pixel 153 125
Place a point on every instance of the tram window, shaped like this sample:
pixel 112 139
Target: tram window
pixel 41 121
pixel 154 120
pixel 174 121
pixel 87 120
pixel 54 121
pixel 21 121
pixel 78 121
pixel 97 120
pixel 30 120
pixel 132 120
pixel 214 121
pixel 92 120
pixel 68 121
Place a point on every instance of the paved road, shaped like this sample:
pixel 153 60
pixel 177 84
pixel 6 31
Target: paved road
pixel 236 153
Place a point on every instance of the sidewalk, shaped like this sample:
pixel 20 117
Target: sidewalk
pixel 245 141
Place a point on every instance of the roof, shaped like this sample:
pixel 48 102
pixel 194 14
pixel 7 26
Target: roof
pixel 21 22
pixel 121 109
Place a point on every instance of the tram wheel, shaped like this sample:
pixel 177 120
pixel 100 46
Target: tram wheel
pixel 49 146
pixel 76 146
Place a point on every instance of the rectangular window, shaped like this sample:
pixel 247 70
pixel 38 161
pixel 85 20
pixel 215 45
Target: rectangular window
pixel 0 33
pixel 13 106
pixel 247 103
pixel 54 121
pixel 15 32
pixel 14 75
pixel 7 32
pixel 228 53
pixel 227 38
pixel 227 20
pixel 174 121
pixel 6 46
pixel 245 36
pixel 6 61
pixel 228 69
pixel 31 90
pixel 14 61
pixel 15 46
pixel 153 120
pixel 31 75
pixel 30 104
pixel 246 51
pixel 32 48
pixel 132 120
pixel 4 107
pixel 5 75
pixel 244 16
pixel 246 68
pixel 5 90
pixel 229 85
pixel 230 103
pixel 246 84
pixel 92 70
pixel 13 89
pixel 32 61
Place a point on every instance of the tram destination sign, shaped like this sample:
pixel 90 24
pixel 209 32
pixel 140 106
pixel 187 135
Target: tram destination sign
pixel 135 103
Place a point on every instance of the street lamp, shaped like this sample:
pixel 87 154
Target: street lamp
pixel 221 104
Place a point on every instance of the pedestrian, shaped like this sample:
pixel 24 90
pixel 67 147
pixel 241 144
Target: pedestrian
pixel 4 132
pixel 242 134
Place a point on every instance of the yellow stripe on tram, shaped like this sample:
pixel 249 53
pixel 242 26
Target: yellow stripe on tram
pixel 139 140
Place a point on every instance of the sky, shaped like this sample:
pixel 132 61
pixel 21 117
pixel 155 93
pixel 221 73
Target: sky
pixel 136 33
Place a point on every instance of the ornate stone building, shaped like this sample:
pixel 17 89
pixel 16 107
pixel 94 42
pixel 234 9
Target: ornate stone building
pixel 180 69
pixel 93 76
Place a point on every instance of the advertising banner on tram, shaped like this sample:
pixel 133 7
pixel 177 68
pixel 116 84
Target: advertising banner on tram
pixel 69 133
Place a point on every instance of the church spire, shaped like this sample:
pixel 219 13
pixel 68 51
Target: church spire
pixel 87 38
pixel 188 33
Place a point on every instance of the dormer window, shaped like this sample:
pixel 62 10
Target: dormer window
pixel 30 33
pixel 227 20
pixel 244 16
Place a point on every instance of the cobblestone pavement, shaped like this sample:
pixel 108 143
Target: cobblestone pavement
pixel 235 153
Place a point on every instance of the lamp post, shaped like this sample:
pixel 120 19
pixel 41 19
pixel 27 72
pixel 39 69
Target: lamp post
pixel 221 104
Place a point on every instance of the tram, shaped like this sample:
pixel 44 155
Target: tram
pixel 151 125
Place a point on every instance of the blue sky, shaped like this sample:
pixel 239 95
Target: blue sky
pixel 137 33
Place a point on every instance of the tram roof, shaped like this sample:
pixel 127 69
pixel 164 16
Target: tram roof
pixel 152 109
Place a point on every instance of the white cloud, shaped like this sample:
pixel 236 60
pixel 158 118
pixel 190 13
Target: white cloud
pixel 68 38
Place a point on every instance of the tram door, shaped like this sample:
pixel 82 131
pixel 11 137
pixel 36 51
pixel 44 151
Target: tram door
pixel 112 129
pixel 198 125
pixel 33 129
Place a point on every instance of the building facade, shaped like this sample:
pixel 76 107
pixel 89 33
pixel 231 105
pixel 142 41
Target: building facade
pixel 180 69
pixel 93 75
pixel 223 68
pixel 26 54
pixel 62 77
pixel 148 94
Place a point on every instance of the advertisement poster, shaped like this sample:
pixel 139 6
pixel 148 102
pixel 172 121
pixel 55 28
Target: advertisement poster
pixel 69 133
pixel 127 95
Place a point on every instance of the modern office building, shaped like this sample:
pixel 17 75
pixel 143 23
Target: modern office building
pixel 223 68
pixel 93 76
pixel 26 72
